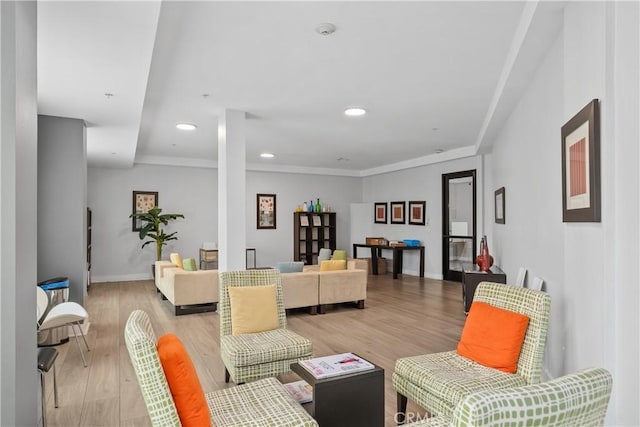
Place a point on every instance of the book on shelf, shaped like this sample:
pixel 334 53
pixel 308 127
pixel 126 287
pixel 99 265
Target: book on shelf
pixel 334 365
pixel 300 390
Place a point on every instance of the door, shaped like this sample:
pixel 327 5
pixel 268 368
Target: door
pixel 458 222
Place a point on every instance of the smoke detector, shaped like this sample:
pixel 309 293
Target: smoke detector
pixel 325 29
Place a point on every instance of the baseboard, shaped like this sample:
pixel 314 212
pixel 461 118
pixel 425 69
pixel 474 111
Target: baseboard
pixel 427 274
pixel 121 278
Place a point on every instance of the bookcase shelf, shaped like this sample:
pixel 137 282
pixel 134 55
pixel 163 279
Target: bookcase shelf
pixel 313 231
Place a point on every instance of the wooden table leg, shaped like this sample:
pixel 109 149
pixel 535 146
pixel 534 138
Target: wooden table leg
pixel 421 262
pixel 374 261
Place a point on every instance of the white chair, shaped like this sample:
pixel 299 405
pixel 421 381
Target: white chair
pixel 63 314
pixel 537 284
pixel 522 273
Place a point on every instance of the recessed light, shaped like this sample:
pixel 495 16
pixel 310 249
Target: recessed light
pixel 267 155
pixel 355 111
pixel 439 150
pixel 186 126
pixel 325 29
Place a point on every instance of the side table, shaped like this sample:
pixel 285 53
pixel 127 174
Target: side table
pixel 472 276
pixel 354 400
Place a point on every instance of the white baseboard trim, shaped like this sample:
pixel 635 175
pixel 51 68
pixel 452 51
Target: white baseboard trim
pixel 416 273
pixel 121 278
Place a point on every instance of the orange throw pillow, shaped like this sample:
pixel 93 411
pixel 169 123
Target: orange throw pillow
pixel 493 337
pixel 183 381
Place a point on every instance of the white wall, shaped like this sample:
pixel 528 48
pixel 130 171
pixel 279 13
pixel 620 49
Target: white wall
pixel 589 268
pixel 193 192
pixel 62 202
pixel 18 207
pixel 421 183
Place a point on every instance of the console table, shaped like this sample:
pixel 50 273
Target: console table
pixel 354 400
pixel 471 278
pixel 210 256
pixel 376 251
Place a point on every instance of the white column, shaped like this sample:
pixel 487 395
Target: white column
pixel 231 191
pixel 18 208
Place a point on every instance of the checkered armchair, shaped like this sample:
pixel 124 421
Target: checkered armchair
pixel 578 399
pixel 439 381
pixel 263 403
pixel 248 357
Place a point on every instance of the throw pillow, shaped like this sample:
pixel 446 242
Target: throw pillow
pixel 493 337
pixel 176 259
pixel 183 382
pixel 253 309
pixel 334 264
pixel 339 254
pixel 189 264
pixel 290 267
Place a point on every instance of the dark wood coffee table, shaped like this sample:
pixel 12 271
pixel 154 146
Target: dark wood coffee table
pixel 346 400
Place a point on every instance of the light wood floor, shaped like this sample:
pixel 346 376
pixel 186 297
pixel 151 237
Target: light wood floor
pixel 403 317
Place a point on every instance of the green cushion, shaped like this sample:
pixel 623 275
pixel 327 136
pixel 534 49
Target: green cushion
pixel 189 264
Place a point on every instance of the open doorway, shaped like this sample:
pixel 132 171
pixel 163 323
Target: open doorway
pixel 458 222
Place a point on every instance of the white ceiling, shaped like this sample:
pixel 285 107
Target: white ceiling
pixel 432 75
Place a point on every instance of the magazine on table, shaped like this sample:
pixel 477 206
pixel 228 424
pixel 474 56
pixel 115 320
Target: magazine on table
pixel 300 390
pixel 334 365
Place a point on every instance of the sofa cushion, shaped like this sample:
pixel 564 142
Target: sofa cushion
pixel 493 336
pixel 336 264
pixel 290 266
pixel 183 381
pixel 253 309
pixel 189 264
pixel 339 254
pixel 176 259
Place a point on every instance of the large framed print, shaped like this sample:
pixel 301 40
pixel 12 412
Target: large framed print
pixel 266 211
pixel 142 202
pixel 581 166
pixel 416 213
pixel 380 212
pixel 397 212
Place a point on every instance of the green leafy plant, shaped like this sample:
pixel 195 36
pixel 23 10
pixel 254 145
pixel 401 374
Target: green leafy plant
pixel 153 221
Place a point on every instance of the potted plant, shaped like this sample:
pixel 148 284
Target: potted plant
pixel 152 228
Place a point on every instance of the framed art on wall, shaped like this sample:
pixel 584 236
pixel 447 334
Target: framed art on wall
pixel 581 166
pixel 266 211
pixel 142 202
pixel 499 205
pixel 416 213
pixel 397 212
pixel 380 212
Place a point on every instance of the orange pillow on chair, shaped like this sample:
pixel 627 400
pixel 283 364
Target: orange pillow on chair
pixel 493 336
pixel 183 381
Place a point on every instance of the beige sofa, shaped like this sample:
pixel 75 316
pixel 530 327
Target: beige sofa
pixel 188 291
pixel 317 289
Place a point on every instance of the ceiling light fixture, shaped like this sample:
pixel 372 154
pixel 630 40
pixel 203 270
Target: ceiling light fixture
pixel 186 126
pixel 355 111
pixel 267 155
pixel 439 150
pixel 325 29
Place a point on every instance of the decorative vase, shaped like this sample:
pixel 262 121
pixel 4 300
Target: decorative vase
pixel 304 207
pixel 484 260
pixel 311 207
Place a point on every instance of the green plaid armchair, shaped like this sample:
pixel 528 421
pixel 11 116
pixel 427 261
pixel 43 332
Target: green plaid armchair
pixel 248 357
pixel 263 403
pixel 578 399
pixel 439 381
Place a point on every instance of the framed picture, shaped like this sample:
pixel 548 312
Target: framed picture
pixel 317 221
pixel 499 205
pixel 266 211
pixel 397 212
pixel 142 202
pixel 416 213
pixel 380 213
pixel 304 221
pixel 581 166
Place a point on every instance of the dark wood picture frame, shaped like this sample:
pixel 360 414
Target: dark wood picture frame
pixel 581 166
pixel 397 212
pixel 417 212
pixel 380 212
pixel 499 205
pixel 142 202
pixel 265 211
